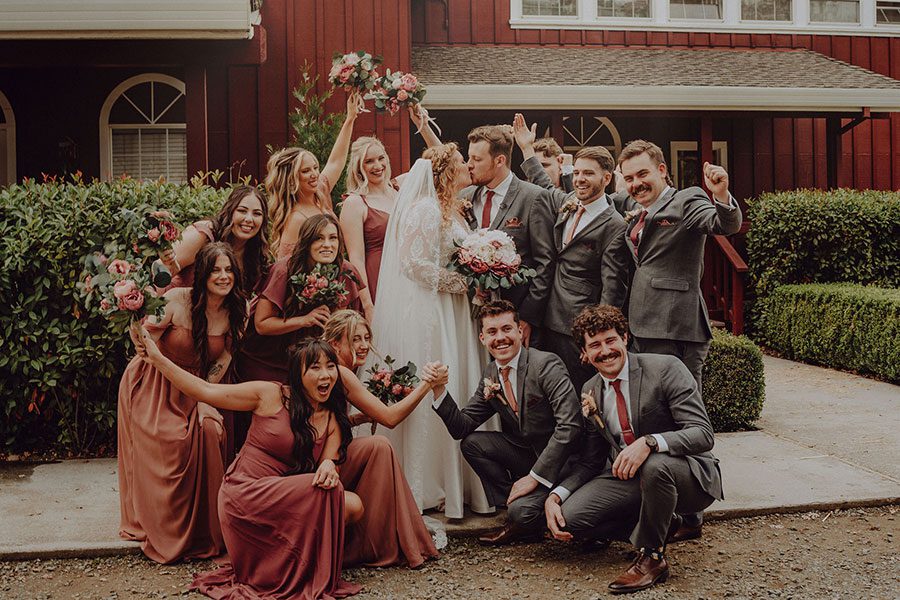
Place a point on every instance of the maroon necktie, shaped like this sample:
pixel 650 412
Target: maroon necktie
pixel 627 433
pixel 486 211
pixel 638 227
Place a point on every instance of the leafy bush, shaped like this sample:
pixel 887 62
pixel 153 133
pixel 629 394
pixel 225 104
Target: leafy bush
pixel 60 365
pixel 839 325
pixel 734 386
pixel 812 236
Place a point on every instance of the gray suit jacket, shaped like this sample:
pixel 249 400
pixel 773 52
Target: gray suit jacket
pixel 664 399
pixel 527 216
pixel 549 410
pixel 666 300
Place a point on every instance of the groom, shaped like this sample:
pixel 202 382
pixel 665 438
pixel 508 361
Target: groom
pixel 540 417
pixel 500 200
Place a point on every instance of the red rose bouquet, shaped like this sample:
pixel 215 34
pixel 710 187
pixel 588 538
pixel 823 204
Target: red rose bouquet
pixel 489 261
pixel 391 385
pixel 323 286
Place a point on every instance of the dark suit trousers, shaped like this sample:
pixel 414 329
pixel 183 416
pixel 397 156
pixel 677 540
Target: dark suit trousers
pixel 564 347
pixel 499 460
pixel 692 354
pixel 606 507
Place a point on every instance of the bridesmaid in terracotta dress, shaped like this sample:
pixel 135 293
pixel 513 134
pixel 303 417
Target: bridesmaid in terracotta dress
pixel 170 447
pixel 278 319
pixel 296 188
pixel 391 530
pixel 282 505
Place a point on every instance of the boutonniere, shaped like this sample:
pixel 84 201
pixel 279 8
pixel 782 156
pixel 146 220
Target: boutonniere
pixel 631 214
pixel 513 222
pixel 465 209
pixel 492 389
pixel 569 206
pixel 589 409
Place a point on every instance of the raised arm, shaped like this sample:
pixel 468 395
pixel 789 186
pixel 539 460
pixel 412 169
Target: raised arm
pixel 423 127
pixel 461 423
pixel 184 250
pixel 338 157
pixel 368 404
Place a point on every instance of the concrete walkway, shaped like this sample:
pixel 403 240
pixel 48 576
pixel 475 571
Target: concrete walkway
pixel 827 440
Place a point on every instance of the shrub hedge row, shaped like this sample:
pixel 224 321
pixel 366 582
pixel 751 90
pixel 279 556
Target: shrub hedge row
pixel 839 325
pixel 60 367
pixel 734 385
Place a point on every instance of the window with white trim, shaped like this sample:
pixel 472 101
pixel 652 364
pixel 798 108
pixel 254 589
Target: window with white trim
pixel 549 8
pixel 143 123
pixel 579 132
pixel 634 9
pixel 834 11
pixel 7 143
pixel 685 165
pixel 887 11
pixel 766 10
pixel 695 9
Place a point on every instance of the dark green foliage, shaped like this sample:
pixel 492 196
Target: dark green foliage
pixel 60 365
pixel 839 325
pixel 734 386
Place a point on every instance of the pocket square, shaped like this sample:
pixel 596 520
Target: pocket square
pixel 514 222
pixel 666 223
pixel 534 401
pixel 589 245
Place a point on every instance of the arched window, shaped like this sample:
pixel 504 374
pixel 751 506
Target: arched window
pixel 7 142
pixel 579 132
pixel 142 129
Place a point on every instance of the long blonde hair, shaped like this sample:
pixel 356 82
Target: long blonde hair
pixel 341 325
pixel 445 173
pixel 357 182
pixel 282 184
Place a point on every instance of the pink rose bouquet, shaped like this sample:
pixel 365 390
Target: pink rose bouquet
pixel 147 232
pixel 118 289
pixel 355 71
pixel 489 261
pixel 391 385
pixel 323 286
pixel 395 91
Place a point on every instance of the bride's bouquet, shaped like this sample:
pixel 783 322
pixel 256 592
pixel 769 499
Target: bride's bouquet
pixel 487 258
pixel 391 385
pixel 324 285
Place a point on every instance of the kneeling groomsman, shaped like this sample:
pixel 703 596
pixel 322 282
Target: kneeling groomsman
pixel 540 419
pixel 646 454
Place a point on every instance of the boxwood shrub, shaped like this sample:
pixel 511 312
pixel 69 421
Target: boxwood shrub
pixel 839 325
pixel 59 367
pixel 734 385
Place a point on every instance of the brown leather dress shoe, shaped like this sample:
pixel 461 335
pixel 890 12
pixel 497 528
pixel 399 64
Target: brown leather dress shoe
pixel 644 572
pixel 684 533
pixel 507 534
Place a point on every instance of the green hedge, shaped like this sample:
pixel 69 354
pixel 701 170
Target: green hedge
pixel 60 367
pixel 843 326
pixel 812 236
pixel 734 386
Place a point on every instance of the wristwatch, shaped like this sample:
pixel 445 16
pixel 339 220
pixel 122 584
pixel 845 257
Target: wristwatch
pixel 651 443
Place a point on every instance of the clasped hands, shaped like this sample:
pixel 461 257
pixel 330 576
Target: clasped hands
pixel 436 374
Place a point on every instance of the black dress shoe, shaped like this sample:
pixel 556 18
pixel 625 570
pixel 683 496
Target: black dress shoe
pixel 507 534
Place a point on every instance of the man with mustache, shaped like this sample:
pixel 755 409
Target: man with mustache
pixel 667 237
pixel 540 424
pixel 646 453
pixel 591 260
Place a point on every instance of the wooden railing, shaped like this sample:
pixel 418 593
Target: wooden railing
pixel 723 283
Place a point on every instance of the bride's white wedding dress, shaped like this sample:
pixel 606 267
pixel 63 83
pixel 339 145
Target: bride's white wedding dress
pixel 423 314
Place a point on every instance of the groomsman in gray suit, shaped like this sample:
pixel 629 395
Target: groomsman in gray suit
pixel 555 163
pixel 591 260
pixel 540 419
pixel 666 237
pixel 646 454
pixel 500 200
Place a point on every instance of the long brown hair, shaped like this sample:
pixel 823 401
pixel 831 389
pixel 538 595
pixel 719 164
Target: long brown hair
pixel 235 302
pixel 300 259
pixel 445 173
pixel 282 183
pixel 257 248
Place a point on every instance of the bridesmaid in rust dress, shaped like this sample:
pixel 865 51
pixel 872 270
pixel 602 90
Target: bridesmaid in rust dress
pixel 170 447
pixel 278 319
pixel 282 505
pixel 391 531
pixel 365 212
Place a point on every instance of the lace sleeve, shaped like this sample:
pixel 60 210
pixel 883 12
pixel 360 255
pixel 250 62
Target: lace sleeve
pixel 420 250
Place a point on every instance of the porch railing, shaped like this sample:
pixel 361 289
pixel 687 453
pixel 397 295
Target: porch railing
pixel 723 283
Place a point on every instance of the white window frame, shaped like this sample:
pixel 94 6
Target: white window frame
pixel 763 22
pixel 677 147
pixel 731 21
pixel 106 130
pixel 10 127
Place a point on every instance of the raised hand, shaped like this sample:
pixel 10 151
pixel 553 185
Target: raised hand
pixel 716 180
pixel 143 342
pixel 524 136
pixel 415 115
pixel 326 476
pixel 354 102
pixel 167 257
pixel 436 373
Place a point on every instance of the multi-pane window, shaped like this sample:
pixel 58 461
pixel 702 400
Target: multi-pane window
pixel 550 8
pixel 834 11
pixel 623 8
pixel 887 11
pixel 695 9
pixel 766 10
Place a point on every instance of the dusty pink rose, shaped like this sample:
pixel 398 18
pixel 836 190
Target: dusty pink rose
pixel 310 279
pixel 104 304
pixel 153 234
pixel 479 266
pixel 407 390
pixel 345 73
pixel 170 232
pixel 87 281
pixel 124 287
pixel 119 267
pixel 409 82
pixel 322 283
pixel 397 389
pixel 402 96
pixel 133 301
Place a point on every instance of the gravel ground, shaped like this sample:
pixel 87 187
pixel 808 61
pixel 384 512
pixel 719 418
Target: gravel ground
pixel 843 554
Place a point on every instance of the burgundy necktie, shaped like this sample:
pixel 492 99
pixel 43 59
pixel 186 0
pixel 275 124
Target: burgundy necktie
pixel 636 232
pixel 627 433
pixel 507 389
pixel 486 211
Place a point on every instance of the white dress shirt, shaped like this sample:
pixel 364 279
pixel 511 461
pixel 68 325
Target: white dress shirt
pixel 591 211
pixel 499 195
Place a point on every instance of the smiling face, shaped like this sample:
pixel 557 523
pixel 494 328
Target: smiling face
pixel 644 178
pixel 221 280
pixel 502 336
pixel 589 179
pixel 324 249
pixel 375 164
pixel 247 218
pixel 607 351
pixel 353 349
pixel 319 379
pixel 307 174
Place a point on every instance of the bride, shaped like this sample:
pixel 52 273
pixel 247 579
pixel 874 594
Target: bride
pixel 423 313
